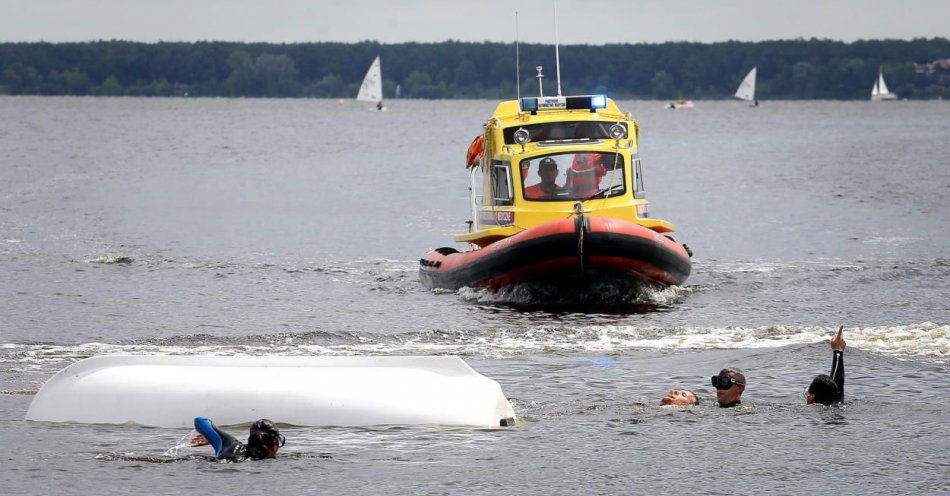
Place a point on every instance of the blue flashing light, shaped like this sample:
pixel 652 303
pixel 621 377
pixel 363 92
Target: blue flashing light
pixel 598 102
pixel 529 104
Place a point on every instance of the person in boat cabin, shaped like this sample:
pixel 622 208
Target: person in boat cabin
pixel 263 442
pixel 583 178
pixel 829 389
pixel 547 188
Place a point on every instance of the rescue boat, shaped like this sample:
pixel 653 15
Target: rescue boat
pixel 557 197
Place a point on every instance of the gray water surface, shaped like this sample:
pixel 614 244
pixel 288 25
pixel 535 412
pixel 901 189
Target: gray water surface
pixel 294 227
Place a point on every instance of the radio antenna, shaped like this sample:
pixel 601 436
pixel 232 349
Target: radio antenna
pixel 517 59
pixel 557 54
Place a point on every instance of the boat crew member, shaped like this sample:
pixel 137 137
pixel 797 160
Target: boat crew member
pixel 829 389
pixel 678 397
pixel 379 105
pixel 729 384
pixel 583 178
pixel 547 188
pixel 263 442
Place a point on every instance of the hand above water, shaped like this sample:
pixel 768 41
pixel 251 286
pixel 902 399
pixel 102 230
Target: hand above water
pixel 199 440
pixel 837 343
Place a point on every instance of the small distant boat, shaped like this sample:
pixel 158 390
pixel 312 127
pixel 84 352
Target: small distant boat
pixel 680 103
pixel 880 93
pixel 746 89
pixel 372 88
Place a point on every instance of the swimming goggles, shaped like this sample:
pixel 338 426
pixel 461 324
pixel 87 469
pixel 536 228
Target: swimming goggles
pixel 723 381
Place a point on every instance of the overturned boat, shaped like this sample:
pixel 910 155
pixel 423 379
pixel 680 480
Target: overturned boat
pixel 558 198
pixel 170 391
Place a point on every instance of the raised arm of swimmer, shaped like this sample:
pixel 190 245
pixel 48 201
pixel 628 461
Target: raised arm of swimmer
pixel 829 389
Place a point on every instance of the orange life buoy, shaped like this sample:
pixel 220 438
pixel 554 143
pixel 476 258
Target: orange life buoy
pixel 475 151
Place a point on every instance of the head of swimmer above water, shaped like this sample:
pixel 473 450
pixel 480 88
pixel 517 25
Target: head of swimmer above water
pixel 678 397
pixel 822 390
pixel 729 384
pixel 264 440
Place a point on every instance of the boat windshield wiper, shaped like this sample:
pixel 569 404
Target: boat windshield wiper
pixel 603 191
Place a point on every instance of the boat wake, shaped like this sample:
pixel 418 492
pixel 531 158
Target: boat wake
pixel 926 340
pixel 602 295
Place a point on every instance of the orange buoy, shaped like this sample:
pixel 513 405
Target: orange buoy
pixel 475 151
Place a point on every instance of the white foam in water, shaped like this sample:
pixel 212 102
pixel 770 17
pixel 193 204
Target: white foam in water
pixel 889 240
pixel 769 267
pixel 607 293
pixel 183 442
pixel 926 340
pixel 110 259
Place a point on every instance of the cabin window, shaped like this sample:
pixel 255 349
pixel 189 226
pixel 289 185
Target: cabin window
pixel 477 188
pixel 573 176
pixel 638 179
pixel 501 183
pixel 571 130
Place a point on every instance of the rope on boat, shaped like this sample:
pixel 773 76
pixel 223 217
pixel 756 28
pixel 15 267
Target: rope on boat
pixel 580 225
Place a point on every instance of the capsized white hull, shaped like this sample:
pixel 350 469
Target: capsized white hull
pixel 170 391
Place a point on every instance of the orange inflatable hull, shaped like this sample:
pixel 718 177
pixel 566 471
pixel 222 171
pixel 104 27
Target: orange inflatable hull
pixel 562 250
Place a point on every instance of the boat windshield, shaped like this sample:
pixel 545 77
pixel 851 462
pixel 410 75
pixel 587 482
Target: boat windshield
pixel 570 130
pixel 572 176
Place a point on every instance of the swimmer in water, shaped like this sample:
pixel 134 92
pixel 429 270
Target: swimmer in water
pixel 263 442
pixel 829 389
pixel 678 397
pixel 729 384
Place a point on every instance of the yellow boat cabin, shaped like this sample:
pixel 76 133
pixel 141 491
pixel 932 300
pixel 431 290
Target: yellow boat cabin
pixel 547 158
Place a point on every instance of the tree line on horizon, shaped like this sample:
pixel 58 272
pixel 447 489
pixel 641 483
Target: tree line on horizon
pixel 788 69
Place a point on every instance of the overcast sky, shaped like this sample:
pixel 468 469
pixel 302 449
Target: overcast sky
pixel 580 21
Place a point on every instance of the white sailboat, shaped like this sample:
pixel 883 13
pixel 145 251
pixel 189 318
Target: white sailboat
pixel 880 93
pixel 746 89
pixel 372 88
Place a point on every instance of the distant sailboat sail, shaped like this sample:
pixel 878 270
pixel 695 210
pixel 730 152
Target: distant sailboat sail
pixel 880 92
pixel 746 90
pixel 372 88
